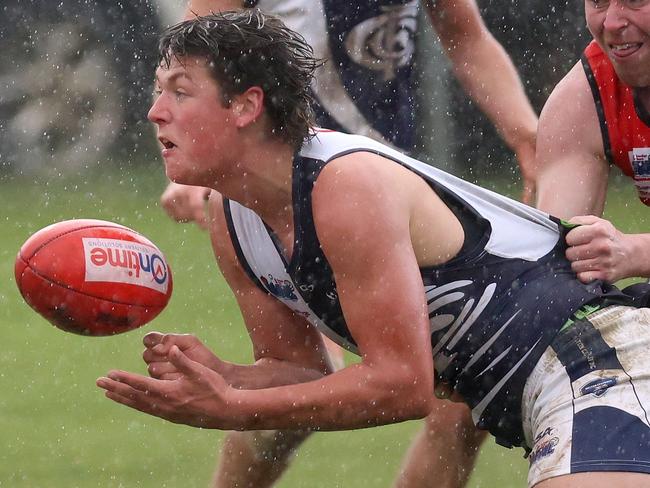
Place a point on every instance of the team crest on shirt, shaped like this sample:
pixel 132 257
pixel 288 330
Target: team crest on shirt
pixel 385 43
pixel 640 160
pixel 280 288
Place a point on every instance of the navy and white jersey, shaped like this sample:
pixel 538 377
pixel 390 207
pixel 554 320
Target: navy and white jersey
pixel 493 309
pixel 367 83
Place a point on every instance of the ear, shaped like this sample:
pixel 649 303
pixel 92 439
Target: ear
pixel 248 106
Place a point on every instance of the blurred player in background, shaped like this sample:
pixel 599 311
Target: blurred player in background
pixel 367 87
pixel 512 331
pixel 600 115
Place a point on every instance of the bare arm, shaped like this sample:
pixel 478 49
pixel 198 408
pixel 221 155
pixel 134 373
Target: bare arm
pixel 380 290
pixel 276 363
pixel 387 317
pixel 572 171
pixel 572 184
pixel 488 75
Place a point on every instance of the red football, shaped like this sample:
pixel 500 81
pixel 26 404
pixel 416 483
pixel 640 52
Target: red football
pixel 93 277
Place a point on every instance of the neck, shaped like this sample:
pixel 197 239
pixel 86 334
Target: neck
pixel 261 179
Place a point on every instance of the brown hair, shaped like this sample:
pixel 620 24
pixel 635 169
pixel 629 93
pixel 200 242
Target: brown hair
pixel 249 48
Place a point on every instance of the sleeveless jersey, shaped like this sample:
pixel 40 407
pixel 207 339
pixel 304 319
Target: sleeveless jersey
pixel 624 122
pixel 493 309
pixel 367 84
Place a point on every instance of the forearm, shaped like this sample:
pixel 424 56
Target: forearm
pixel 489 77
pixel 354 397
pixel 265 373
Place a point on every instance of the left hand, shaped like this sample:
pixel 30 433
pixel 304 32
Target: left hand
pixel 598 251
pixel 197 397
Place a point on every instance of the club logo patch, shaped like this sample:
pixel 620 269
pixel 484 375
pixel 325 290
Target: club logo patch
pixel 280 288
pixel 545 443
pixel 385 43
pixel 640 161
pixel 599 386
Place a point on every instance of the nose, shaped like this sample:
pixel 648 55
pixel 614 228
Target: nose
pixel 158 113
pixel 616 17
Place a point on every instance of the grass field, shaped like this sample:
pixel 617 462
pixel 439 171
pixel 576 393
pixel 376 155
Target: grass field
pixel 57 430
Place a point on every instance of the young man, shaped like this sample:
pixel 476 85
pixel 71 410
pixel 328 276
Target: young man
pixel 395 260
pixel 368 86
pixel 600 115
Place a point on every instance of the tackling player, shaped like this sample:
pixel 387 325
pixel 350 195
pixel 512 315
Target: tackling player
pixel 598 115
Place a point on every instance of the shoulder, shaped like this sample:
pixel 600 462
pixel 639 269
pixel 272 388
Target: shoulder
pixel 362 181
pixel 361 195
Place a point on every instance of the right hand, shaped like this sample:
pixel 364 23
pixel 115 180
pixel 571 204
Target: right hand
pixel 157 357
pixel 185 203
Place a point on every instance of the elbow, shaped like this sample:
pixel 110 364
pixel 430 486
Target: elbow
pixel 412 400
pixel 421 403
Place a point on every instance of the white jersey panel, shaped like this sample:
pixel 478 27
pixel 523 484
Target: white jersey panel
pixel 264 261
pixel 518 231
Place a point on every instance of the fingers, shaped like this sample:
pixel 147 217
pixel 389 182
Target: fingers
pixel 583 234
pixel 185 203
pixel 131 392
pixel 183 363
pixel 133 380
pixel 163 370
pixel 584 219
pixel 152 338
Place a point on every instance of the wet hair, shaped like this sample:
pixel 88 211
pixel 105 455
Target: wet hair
pixel 248 48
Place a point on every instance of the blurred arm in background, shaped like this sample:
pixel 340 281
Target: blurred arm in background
pixel 489 77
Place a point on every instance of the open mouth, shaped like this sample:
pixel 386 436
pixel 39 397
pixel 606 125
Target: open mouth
pixel 624 49
pixel 166 143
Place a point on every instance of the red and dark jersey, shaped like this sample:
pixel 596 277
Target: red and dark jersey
pixel 624 121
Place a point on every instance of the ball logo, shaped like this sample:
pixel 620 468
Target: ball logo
pixel 117 261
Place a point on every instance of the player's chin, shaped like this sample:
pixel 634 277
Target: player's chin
pixel 176 173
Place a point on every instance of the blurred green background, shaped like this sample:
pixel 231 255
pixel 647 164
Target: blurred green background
pixel 57 429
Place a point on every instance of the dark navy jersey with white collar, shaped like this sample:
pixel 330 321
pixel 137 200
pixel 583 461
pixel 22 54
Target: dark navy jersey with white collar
pixel 493 309
pixel 367 84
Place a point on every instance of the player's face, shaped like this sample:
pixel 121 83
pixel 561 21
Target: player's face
pixel 622 29
pixel 194 128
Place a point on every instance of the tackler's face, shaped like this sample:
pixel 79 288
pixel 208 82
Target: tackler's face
pixel 194 126
pixel 622 29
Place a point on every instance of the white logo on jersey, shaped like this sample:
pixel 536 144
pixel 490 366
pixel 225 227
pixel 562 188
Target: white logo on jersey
pixel 460 325
pixel 386 42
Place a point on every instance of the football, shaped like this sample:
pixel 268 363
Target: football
pixel 93 277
